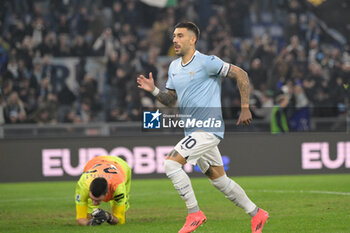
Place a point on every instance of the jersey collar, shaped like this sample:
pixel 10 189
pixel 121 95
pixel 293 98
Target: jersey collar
pixel 194 54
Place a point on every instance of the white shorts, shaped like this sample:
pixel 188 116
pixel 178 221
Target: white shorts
pixel 200 148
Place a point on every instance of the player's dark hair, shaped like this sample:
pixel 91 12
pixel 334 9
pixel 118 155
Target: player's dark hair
pixel 189 26
pixel 99 186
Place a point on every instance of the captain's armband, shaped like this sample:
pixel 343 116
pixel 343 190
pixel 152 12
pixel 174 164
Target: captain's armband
pixel 224 70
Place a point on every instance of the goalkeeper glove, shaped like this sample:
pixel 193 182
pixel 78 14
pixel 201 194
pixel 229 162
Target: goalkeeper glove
pixel 94 222
pixel 100 216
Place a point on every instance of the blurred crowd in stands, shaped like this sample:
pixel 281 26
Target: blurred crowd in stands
pixel 279 43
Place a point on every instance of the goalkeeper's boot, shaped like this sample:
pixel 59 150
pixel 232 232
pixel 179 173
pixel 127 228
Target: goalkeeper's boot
pixel 259 220
pixel 193 221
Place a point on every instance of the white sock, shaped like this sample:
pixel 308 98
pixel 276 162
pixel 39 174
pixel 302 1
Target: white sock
pixel 182 184
pixel 234 193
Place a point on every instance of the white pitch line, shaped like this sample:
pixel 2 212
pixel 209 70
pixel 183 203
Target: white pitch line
pixel 35 199
pixel 175 193
pixel 302 191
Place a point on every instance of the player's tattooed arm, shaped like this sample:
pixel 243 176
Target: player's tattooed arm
pixel 241 76
pixel 167 98
pixel 243 83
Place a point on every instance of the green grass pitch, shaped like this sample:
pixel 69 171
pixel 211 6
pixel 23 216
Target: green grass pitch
pixel 297 204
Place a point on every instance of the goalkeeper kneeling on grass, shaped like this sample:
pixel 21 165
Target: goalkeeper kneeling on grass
pixel 108 179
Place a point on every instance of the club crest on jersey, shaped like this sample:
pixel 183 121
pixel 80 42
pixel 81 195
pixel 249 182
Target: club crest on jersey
pixel 192 74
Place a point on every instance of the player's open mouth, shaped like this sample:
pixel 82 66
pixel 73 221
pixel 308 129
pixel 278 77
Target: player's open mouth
pixel 177 46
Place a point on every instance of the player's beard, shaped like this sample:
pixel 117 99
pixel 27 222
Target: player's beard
pixel 179 52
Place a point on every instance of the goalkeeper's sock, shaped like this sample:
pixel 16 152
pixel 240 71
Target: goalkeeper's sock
pixel 234 193
pixel 182 184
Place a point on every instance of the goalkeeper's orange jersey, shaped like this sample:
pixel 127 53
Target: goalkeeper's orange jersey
pixel 117 173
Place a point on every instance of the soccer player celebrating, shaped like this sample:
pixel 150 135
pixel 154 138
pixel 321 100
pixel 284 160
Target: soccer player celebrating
pixel 194 80
pixel 105 178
